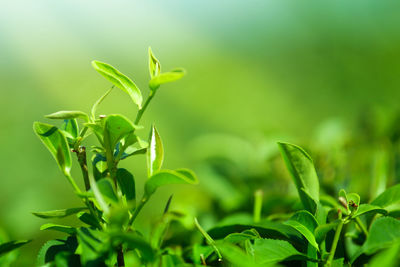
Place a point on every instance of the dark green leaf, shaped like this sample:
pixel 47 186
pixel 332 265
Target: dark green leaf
pixel 154 64
pixel 155 152
pixel 301 168
pixel 68 114
pixel 106 189
pixel 167 177
pixel 60 228
pixel 89 219
pixel 56 143
pixel 58 213
pixel 119 80
pixel 11 245
pixel 166 77
pixel 94 246
pixel 126 183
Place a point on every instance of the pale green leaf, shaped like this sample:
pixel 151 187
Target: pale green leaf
pixel 58 213
pixel 154 65
pixel 166 77
pixel 60 228
pixel 167 177
pixel 155 152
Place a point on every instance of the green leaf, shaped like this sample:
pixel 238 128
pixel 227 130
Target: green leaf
pixel 97 103
pixel 94 245
pixel 119 80
pixel 70 126
pixel 11 245
pixel 89 219
pixel 154 64
pixel 115 128
pixel 386 258
pixel 389 197
pixel 301 168
pixel 58 213
pixel 353 202
pixel 268 251
pixel 235 256
pixel 56 143
pixel 322 230
pixel 155 152
pixel 134 241
pixel 368 208
pixel 384 233
pixel 167 177
pixel 305 223
pixel 60 228
pixel 126 183
pixel 166 77
pixel 68 114
pixel 106 189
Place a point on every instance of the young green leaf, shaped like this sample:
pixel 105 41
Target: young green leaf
pixel 56 143
pixel 119 80
pixel 70 127
pixel 68 114
pixel 155 153
pixel 301 168
pixel 353 202
pixel 58 213
pixel 167 177
pixel 367 209
pixel 97 103
pixel 305 223
pixel 126 183
pixel 154 64
pixel 166 77
pixel 60 228
pixel 11 245
pixel 115 128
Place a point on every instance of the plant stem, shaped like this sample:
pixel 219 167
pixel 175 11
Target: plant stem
pixel 258 198
pixel 334 244
pixel 362 226
pixel 74 185
pixel 81 154
pixel 143 201
pixel 120 256
pixel 209 239
pixel 143 109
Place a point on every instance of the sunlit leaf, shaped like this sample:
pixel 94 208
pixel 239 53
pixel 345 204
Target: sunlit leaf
pixel 68 114
pixel 167 177
pixel 166 77
pixel 389 197
pixel 155 152
pixel 58 213
pixel 154 64
pixel 115 128
pixel 119 80
pixel 305 223
pixel 97 103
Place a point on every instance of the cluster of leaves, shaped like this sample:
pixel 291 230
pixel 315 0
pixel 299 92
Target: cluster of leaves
pixel 320 225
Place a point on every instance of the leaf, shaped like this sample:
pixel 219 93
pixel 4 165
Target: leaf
pixel 154 64
pixel 68 114
pixel 268 251
pixel 368 208
pixel 301 168
pixel 58 213
pixel 56 143
pixel 106 189
pixel 126 183
pixel 322 230
pixel 119 80
pixel 60 228
pixel 155 152
pixel 71 127
pixel 384 233
pixel 50 249
pixel 89 219
pixel 166 177
pixel 387 258
pixel 353 202
pixel 389 197
pixel 94 246
pixel 305 223
pixel 235 256
pixel 166 77
pixel 134 241
pixel 98 102
pixel 11 245
pixel 115 128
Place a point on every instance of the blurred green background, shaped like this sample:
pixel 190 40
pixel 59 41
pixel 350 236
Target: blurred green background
pixel 266 70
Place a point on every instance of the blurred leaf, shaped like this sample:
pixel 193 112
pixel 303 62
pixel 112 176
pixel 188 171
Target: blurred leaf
pixel 119 80
pixel 384 233
pixel 50 249
pixel 322 230
pixel 305 223
pixel 389 197
pixel 134 241
pixel 58 213
pixel 301 168
pixel 268 251
pixel 60 228
pixel 56 143
pixel 166 77
pixel 387 258
pixel 68 114
pixel 155 152
pixel 154 64
pixel 94 246
pixel 367 208
pixel 97 103
pixel 236 256
pixel 88 219
pixel 167 177
pixel 126 183
pixel 353 202
pixel 11 245
pixel 106 189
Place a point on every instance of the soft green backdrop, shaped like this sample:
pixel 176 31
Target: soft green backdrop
pixel 254 68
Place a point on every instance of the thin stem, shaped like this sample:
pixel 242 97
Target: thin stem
pixel 74 185
pixel 120 256
pixel 145 198
pixel 362 226
pixel 81 154
pixel 143 109
pixel 258 198
pixel 334 244
pixel 209 239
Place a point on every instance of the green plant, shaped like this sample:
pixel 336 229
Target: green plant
pixel 109 199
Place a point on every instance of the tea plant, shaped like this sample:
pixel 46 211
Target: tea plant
pixel 109 199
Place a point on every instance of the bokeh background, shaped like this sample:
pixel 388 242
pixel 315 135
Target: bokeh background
pixel 258 72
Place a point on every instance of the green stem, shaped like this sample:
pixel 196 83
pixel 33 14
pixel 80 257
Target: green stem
pixel 143 201
pixel 81 154
pixel 334 244
pixel 362 226
pixel 258 198
pixel 74 185
pixel 143 109
pixel 209 239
